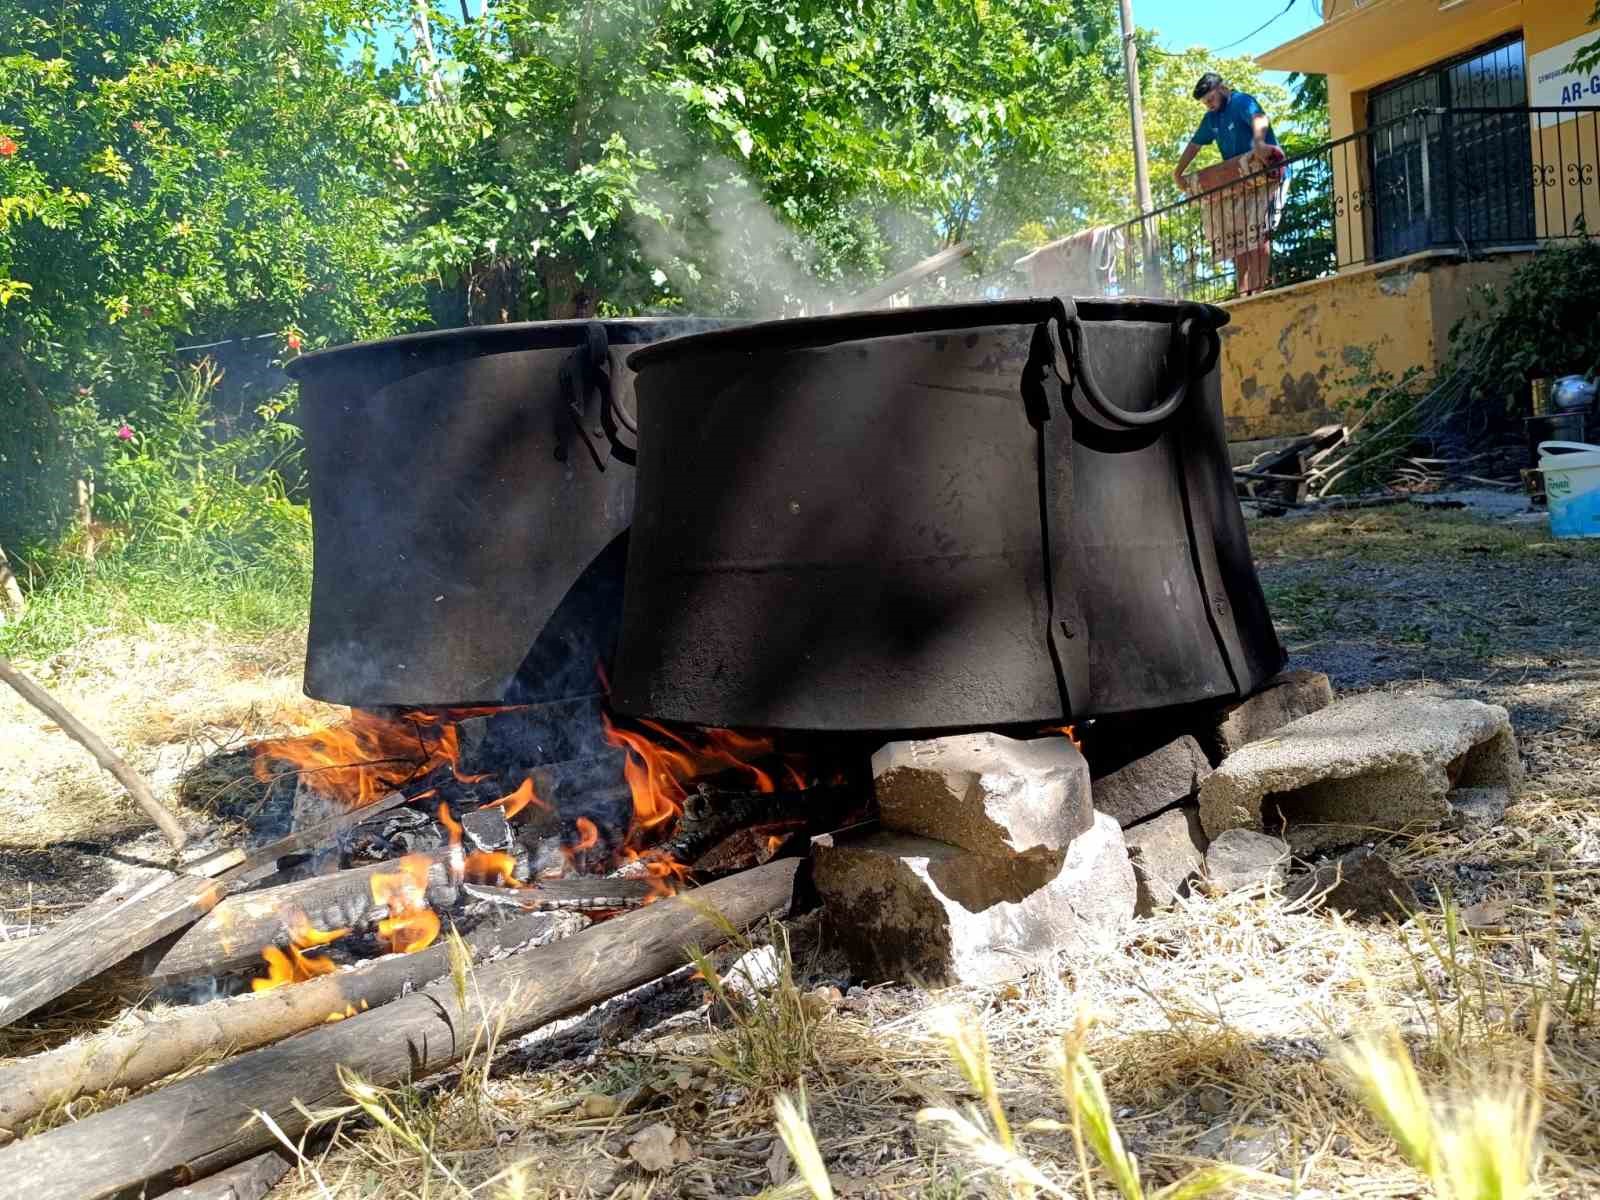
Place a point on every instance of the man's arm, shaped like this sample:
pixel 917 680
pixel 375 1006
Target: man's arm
pixel 1184 160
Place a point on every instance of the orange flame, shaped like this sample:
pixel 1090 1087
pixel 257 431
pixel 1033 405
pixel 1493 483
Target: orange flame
pixel 349 1010
pixel 366 755
pixel 657 772
pixel 497 867
pixel 1069 732
pixel 287 965
pixel 519 799
pixel 452 827
pixel 588 835
pixel 411 925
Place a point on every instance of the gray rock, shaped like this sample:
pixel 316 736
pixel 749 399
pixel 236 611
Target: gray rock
pixel 1167 851
pixel 913 909
pixel 995 796
pixel 1245 860
pixel 1283 698
pixel 1358 884
pixel 1478 809
pixel 1152 782
pixel 1370 762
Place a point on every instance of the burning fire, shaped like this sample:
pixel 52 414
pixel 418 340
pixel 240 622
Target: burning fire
pixel 288 964
pixel 366 755
pixel 519 799
pixel 1069 732
pixel 411 924
pixel 657 772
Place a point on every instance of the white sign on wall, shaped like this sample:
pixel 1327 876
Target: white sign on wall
pixel 1551 85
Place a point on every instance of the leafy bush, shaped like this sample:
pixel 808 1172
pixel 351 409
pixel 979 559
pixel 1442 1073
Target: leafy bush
pixel 187 526
pixel 1541 323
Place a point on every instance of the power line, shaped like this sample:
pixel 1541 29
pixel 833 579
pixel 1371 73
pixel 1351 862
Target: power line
pixel 1256 30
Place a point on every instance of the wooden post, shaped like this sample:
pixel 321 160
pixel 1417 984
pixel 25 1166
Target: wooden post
pixel 11 601
pixel 202 1124
pixel 103 754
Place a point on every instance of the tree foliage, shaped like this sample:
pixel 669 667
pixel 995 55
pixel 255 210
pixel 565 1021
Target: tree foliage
pixel 178 172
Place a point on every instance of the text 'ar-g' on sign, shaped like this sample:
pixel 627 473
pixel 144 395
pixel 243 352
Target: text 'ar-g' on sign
pixel 1553 84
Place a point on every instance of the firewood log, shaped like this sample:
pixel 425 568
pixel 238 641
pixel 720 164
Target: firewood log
pixel 200 1125
pixel 137 1057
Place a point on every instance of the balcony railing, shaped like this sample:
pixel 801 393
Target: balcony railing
pixel 1471 179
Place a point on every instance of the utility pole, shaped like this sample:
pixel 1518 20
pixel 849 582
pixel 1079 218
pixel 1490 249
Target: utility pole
pixel 1130 60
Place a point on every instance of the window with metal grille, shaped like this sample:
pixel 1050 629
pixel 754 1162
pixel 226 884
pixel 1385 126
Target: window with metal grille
pixel 1444 174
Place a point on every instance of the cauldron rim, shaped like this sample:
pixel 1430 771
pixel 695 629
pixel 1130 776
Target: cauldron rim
pixel 476 340
pixel 827 329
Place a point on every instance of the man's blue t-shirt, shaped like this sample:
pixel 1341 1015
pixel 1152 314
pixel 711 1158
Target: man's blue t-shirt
pixel 1232 127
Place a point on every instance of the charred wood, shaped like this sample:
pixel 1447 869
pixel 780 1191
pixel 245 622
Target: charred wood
pixel 207 1122
pixel 711 816
pixel 233 935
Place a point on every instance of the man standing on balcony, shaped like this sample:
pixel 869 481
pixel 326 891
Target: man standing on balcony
pixel 1239 220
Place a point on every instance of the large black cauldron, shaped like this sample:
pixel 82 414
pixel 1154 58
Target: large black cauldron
pixel 470 495
pixel 941 517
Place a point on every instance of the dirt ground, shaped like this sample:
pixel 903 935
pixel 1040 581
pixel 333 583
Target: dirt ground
pixel 1214 1025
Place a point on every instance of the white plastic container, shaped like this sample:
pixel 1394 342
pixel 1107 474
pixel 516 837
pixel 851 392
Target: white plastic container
pixel 1572 484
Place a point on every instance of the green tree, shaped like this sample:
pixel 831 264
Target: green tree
pixel 741 155
pixel 176 171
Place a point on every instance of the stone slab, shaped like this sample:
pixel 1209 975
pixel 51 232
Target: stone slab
pixel 1152 782
pixel 1375 762
pixel 1285 697
pixel 1245 860
pixel 916 910
pixel 1167 851
pixel 986 793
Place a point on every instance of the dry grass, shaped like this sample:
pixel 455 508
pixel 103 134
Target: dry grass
pixel 1230 1030
pixel 166 700
pixel 1405 533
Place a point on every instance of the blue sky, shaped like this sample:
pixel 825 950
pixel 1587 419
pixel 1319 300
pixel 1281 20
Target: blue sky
pixel 1185 23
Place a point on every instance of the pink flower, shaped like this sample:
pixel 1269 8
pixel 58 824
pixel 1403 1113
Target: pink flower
pixel 125 432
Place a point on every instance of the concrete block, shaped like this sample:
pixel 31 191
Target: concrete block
pixel 1245 860
pixel 992 795
pixel 913 909
pixel 1284 698
pixel 1370 762
pixel 1167 851
pixel 1152 782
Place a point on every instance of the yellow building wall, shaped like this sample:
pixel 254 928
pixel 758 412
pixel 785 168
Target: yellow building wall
pixel 1285 353
pixel 1396 38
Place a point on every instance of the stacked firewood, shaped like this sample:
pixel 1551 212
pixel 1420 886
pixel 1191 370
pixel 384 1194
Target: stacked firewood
pixel 313 906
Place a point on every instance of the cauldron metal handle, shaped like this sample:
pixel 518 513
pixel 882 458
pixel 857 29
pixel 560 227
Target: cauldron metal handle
pixel 1067 317
pixel 586 371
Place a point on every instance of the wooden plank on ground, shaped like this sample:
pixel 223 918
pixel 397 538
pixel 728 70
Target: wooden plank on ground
pixel 123 921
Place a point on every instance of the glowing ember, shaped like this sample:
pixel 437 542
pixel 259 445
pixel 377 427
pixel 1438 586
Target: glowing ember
pixel 366 755
pixel 520 799
pixel 288 964
pixel 411 925
pixel 350 1010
